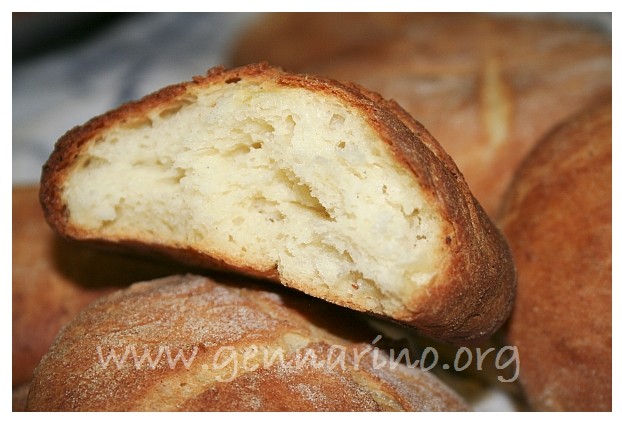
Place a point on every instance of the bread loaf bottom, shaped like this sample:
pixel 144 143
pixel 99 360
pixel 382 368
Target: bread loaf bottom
pixel 320 185
pixel 245 349
pixel 557 218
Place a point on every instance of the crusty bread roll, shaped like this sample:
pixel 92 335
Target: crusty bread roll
pixel 322 186
pixel 487 86
pixel 53 279
pixel 245 349
pixel 557 218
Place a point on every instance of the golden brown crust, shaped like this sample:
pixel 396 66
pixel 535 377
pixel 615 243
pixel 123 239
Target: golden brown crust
pixel 53 279
pixel 488 86
pixel 557 218
pixel 221 323
pixel 473 293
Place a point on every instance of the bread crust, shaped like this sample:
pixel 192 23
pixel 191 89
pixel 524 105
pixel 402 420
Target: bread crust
pixel 557 219
pixel 473 293
pixel 192 313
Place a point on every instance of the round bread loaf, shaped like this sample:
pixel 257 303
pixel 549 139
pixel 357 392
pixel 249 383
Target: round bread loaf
pixel 557 219
pixel 319 185
pixel 488 86
pixel 54 279
pixel 192 344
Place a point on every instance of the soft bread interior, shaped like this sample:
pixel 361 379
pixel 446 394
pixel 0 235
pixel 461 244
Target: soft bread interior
pixel 268 177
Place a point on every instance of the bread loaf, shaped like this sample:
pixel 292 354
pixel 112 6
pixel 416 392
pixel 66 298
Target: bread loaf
pixel 322 186
pixel 557 218
pixel 487 86
pixel 54 279
pixel 299 40
pixel 244 349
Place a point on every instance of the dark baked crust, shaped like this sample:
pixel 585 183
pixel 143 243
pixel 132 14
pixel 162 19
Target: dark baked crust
pixel 473 293
pixel 557 218
pixel 195 313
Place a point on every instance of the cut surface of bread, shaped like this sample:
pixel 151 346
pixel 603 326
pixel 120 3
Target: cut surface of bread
pixel 323 186
pixel 196 344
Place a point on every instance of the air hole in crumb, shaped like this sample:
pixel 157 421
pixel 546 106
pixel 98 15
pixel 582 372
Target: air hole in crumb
pixel 415 212
pixel 92 162
pixel 257 145
pixel 179 173
pixel 341 144
pixel 233 80
pixel 174 108
pixel 336 121
pixel 138 123
pixel 238 149
pixel 290 124
pixel 347 256
pixel 304 196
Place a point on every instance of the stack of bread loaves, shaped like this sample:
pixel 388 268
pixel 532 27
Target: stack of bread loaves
pixel 318 185
pixel 490 87
pixel 304 213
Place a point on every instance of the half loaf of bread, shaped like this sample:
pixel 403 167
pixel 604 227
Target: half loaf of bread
pixel 320 185
pixel 192 344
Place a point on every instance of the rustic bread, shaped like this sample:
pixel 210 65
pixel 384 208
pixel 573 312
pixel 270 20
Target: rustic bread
pixel 487 86
pixel 319 185
pixel 54 279
pixel 557 218
pixel 245 349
